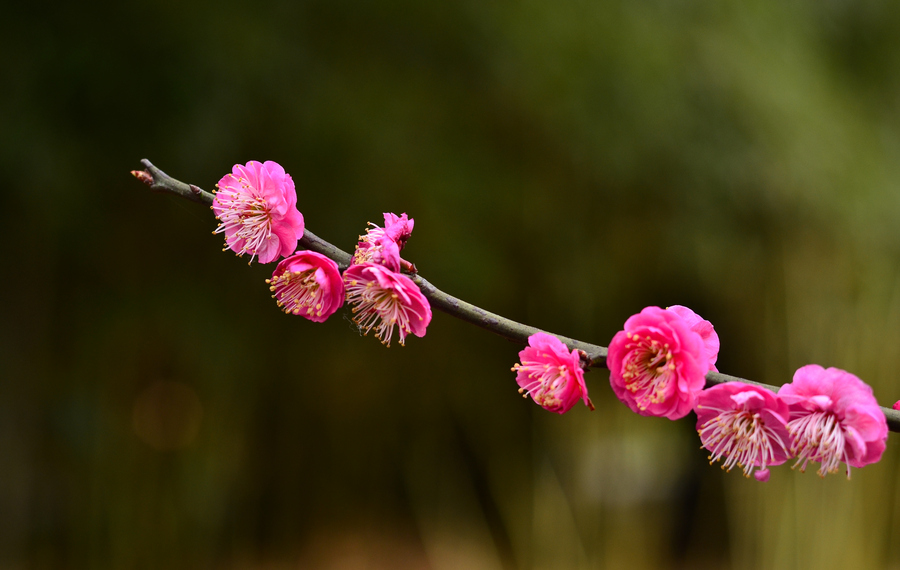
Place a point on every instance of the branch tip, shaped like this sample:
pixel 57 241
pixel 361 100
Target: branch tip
pixel 143 176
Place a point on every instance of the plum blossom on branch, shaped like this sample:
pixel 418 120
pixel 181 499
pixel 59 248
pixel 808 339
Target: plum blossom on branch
pixel 551 374
pixel 308 284
pixel 651 382
pixel 834 418
pixel 744 425
pixel 384 299
pixel 257 207
pixel 659 362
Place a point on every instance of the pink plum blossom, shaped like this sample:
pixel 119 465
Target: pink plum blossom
pixel 257 209
pixel 551 374
pixel 896 405
pixel 383 245
pixel 384 298
pixel 308 284
pixel 834 418
pixel 659 363
pixel 745 425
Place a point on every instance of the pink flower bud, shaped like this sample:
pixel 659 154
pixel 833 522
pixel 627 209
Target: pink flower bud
pixel 398 228
pixel 383 245
pixel 761 475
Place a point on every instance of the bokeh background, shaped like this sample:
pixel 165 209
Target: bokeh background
pixel 567 163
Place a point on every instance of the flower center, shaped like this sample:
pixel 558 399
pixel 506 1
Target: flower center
pixel 245 217
pixel 379 308
pixel 742 438
pixel 647 368
pixel 546 384
pixel 818 436
pixel 297 291
pixel 366 249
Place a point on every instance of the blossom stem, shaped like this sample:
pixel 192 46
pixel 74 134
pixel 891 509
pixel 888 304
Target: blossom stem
pixel 159 181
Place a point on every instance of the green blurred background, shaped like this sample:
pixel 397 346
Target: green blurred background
pixel 567 163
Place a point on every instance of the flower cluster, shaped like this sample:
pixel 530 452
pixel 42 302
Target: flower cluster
pixel 382 296
pixel 658 366
pixel 658 363
pixel 825 415
pixel 256 206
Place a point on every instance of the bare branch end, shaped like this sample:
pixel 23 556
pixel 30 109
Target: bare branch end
pixel 143 176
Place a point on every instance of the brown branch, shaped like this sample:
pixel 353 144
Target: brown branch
pixel 159 181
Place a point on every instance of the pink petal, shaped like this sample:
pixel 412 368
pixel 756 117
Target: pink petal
pixel 749 400
pixel 874 451
pixel 270 249
pixel 869 421
pixel 857 445
pixel 702 327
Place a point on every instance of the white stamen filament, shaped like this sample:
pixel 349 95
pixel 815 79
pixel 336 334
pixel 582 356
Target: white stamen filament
pixel 297 291
pixel 379 308
pixel 244 216
pixel 819 437
pixel 742 438
pixel 547 382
